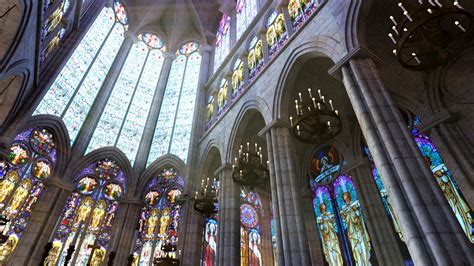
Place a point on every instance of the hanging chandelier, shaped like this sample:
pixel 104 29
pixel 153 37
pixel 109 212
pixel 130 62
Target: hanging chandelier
pixel 429 33
pixel 249 169
pixel 168 257
pixel 205 200
pixel 315 121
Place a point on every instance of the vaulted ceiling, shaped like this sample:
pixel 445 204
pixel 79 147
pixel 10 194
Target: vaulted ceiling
pixel 176 21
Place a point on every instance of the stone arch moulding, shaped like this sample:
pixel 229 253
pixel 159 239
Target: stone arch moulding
pixel 167 160
pixel 249 107
pixel 320 46
pixel 110 153
pixel 211 153
pixel 12 91
pixel 14 16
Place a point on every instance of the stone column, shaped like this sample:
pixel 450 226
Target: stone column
pixel 266 233
pixel 148 132
pixel 282 165
pixel 315 248
pixel 128 221
pixel 228 247
pixel 431 231
pixel 192 236
pixel 454 149
pixel 383 238
pixel 93 117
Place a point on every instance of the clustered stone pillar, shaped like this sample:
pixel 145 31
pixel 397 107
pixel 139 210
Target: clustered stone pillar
pixel 431 231
pixel 293 249
pixel 228 247
pixel 382 235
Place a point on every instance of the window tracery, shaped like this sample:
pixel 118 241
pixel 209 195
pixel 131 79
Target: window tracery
pixel 246 10
pixel 222 41
pixel 159 218
pixel 88 216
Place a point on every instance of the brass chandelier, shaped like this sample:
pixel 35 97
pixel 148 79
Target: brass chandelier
pixel 249 169
pixel 205 200
pixel 316 121
pixel 430 33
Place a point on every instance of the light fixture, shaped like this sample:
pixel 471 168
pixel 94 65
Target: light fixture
pixel 316 121
pixel 249 169
pixel 430 33
pixel 205 200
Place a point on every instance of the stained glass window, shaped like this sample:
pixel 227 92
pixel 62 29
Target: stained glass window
pixel 222 96
pixel 173 129
pixel 237 78
pixel 124 117
pixel 30 162
pixel 159 218
pixel 210 108
pixel 300 10
pixel 250 229
pixel 445 179
pixel 246 10
pixel 222 41
pixel 73 91
pixel 88 216
pixel 209 241
pixel 339 218
pixel 277 35
pixel 255 57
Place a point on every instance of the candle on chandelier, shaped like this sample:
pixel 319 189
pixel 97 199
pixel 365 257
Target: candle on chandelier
pixel 247 155
pixel 319 106
pixel 456 4
pixel 337 112
pixel 395 30
pixel 260 150
pixel 298 129
pixel 322 99
pixel 319 94
pixel 296 106
pixel 291 120
pixel 314 102
pixel 416 58
pixel 330 103
pixel 393 39
pixel 310 94
pixel 299 95
pixel 329 124
pixel 438 3
pixel 459 26
pixel 248 146
pixel 256 147
pixel 235 160
pixel 393 20
pixel 260 158
pixel 196 195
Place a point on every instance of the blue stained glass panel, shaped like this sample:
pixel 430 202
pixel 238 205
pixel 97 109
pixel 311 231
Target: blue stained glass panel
pixel 135 121
pixel 185 115
pixel 65 84
pixel 83 100
pixel 107 130
pixel 164 126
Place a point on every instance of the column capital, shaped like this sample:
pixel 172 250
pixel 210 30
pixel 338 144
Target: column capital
pixel 356 53
pixel 222 168
pixel 169 55
pixel 130 36
pixel 273 124
pixel 435 119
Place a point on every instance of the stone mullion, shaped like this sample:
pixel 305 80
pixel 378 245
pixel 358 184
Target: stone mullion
pixel 92 119
pixel 403 170
pixel 275 204
pixel 382 235
pixel 127 234
pixel 148 132
pixel 303 249
pixel 288 24
pixel 454 151
pixel 262 35
pixel 245 62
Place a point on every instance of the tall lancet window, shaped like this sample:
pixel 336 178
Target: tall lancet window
pixel 30 162
pixel 173 129
pixel 159 218
pixel 74 90
pixel 246 10
pixel 251 213
pixel 125 115
pixel 276 35
pixel 445 179
pixel 339 218
pixel 222 41
pixel 88 217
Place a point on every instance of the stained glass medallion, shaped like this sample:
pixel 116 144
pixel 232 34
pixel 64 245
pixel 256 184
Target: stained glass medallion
pixel 248 216
pixel 325 164
pixel 152 40
pixel 189 48
pixel 87 185
pixel 120 12
pixel 112 191
pixel 42 141
pixel 19 154
pixel 152 197
pixel 42 168
pixel 107 169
